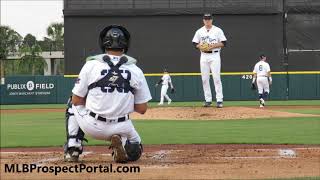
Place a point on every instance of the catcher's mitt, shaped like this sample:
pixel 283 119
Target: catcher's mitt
pixel 253 86
pixel 172 91
pixel 205 47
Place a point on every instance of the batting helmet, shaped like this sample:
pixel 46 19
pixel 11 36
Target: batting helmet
pixel 114 37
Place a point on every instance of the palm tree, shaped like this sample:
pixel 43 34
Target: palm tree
pixel 30 52
pixel 56 39
pixel 56 33
pixel 9 43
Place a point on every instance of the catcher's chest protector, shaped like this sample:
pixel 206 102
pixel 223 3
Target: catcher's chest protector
pixel 114 79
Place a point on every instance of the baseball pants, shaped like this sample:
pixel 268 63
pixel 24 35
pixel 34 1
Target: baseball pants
pixel 98 129
pixel 164 94
pixel 211 62
pixel 263 85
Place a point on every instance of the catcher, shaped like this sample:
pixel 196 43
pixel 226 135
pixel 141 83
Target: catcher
pixel 166 83
pixel 110 87
pixel 261 73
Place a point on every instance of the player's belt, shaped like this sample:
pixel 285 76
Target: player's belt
pixel 121 119
pixel 210 51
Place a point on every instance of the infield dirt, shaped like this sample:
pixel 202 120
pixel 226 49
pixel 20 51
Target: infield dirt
pixel 179 162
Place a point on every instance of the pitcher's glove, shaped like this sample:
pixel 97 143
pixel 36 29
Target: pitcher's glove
pixel 172 91
pixel 253 86
pixel 204 46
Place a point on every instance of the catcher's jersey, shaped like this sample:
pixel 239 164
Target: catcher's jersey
pixel 166 79
pixel 111 104
pixel 261 68
pixel 214 35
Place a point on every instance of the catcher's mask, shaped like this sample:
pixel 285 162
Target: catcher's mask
pixel 114 37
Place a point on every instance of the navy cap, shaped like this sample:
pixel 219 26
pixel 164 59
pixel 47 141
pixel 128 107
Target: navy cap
pixel 262 56
pixel 207 16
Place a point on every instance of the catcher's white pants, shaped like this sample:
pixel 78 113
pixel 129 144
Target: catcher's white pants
pixel 164 94
pixel 211 62
pixel 98 129
pixel 263 84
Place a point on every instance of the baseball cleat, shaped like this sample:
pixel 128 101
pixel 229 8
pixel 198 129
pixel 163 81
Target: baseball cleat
pixel 160 104
pixel 118 152
pixel 261 106
pixel 262 103
pixel 219 105
pixel 72 154
pixel 207 104
pixel 169 101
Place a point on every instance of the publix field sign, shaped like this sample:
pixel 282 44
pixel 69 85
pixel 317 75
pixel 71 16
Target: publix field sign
pixel 29 90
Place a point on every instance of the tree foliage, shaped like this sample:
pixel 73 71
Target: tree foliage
pixel 46 44
pixel 30 50
pixel 10 41
pixel 56 34
pixel 30 56
pixel 55 42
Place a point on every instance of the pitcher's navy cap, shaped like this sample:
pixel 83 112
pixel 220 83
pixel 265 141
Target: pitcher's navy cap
pixel 207 16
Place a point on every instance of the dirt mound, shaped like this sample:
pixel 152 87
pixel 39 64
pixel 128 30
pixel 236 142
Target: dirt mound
pixel 200 113
pixel 182 162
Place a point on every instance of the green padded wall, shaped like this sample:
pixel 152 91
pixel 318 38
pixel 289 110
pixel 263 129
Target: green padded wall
pixel 56 89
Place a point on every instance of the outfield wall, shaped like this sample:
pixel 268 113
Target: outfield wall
pixel 56 89
pixel 286 31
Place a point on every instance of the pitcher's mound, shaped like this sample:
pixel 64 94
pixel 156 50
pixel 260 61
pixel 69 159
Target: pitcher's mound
pixel 201 113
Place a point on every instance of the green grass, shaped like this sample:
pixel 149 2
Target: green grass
pixel 48 129
pixel 184 104
pixel 260 131
pixel 33 106
pixel 302 111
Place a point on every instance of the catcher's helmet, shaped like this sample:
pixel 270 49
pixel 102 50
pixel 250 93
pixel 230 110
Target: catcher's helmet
pixel 114 37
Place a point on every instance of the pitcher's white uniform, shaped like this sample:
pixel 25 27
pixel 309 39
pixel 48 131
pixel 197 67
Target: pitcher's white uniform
pixel 166 81
pixel 105 104
pixel 262 69
pixel 210 61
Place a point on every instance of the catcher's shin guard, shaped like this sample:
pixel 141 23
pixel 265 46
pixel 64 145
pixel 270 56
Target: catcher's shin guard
pixel 75 136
